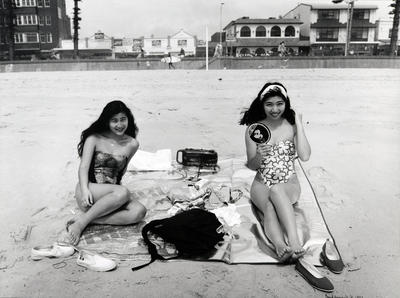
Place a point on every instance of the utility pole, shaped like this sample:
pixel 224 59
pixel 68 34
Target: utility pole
pixel 76 20
pixel 10 17
pixel 395 28
pixel 350 8
pixel 220 28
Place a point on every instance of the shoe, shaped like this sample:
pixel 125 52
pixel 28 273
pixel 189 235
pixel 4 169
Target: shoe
pixel 313 276
pixel 331 258
pixel 52 251
pixel 94 261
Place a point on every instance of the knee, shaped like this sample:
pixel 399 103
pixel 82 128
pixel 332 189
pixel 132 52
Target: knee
pixel 276 190
pixel 141 212
pixel 122 195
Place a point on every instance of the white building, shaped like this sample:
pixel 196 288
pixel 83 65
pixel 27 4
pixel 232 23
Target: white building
pixel 172 44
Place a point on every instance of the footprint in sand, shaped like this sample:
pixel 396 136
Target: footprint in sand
pixel 318 173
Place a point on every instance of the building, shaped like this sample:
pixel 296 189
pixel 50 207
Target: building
pixel 326 27
pixel 261 37
pixel 32 28
pixel 383 35
pixel 161 46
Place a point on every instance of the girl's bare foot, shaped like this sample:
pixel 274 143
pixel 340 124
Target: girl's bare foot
pixel 75 229
pixel 283 252
pixel 298 250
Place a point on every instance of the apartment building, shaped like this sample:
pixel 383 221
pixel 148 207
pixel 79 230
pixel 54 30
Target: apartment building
pixel 326 27
pixel 261 37
pixel 32 28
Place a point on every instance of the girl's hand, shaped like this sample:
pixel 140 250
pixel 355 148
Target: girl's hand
pixel 263 149
pixel 87 197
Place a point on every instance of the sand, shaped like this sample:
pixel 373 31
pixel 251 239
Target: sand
pixel 352 122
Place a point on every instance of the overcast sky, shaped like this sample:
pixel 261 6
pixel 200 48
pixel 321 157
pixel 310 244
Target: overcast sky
pixel 132 18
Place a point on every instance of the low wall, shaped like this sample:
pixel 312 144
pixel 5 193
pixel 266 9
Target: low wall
pixel 199 63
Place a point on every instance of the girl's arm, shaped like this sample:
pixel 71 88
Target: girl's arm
pixel 134 146
pixel 86 159
pixel 302 146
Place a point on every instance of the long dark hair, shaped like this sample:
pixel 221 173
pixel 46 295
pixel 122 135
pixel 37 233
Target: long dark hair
pixel 101 125
pixel 256 110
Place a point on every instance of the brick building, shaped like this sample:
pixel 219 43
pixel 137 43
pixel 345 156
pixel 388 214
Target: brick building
pixel 32 28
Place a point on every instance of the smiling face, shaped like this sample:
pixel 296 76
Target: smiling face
pixel 274 107
pixel 118 124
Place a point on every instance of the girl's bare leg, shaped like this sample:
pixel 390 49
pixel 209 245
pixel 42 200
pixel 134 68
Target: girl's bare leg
pixel 108 198
pixel 283 196
pixel 272 227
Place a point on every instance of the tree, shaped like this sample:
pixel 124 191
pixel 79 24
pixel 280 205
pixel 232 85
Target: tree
pixel 395 28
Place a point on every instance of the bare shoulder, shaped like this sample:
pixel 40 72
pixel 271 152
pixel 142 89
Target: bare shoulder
pixel 92 139
pixel 133 145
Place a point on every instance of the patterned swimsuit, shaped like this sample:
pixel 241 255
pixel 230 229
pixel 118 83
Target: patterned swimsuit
pixel 278 165
pixel 107 168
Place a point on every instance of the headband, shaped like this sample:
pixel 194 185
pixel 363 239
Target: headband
pixel 274 87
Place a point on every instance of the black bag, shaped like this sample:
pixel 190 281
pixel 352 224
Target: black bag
pixel 194 233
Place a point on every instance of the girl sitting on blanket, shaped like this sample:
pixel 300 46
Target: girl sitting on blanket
pixel 276 188
pixel 105 149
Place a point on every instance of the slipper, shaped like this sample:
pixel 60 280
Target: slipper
pixel 52 251
pixel 94 261
pixel 313 276
pixel 331 258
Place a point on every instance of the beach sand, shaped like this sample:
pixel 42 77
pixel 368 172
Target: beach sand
pixel 352 121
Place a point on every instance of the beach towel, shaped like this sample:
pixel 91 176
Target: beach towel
pixel 245 243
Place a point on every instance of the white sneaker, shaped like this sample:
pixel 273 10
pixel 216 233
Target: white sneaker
pixel 52 251
pixel 94 261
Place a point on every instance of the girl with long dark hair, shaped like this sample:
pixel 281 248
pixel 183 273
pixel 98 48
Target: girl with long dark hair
pixel 105 149
pixel 276 188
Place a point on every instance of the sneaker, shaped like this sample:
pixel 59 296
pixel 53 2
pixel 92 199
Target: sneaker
pixel 94 261
pixel 52 251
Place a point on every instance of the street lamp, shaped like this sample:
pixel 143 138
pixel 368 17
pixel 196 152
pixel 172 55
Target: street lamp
pixel 350 8
pixel 220 25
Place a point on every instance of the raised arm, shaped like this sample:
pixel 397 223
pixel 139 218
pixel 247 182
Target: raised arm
pixel 302 146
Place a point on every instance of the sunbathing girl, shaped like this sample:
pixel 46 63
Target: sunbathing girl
pixel 105 149
pixel 276 188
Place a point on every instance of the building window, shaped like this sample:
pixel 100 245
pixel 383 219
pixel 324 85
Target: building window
pixel 245 52
pixel 48 20
pixel 26 20
pixel 289 31
pixel 327 34
pixel 49 37
pixel 18 38
pixel 42 38
pixel 360 14
pixel 41 20
pixel 328 14
pixel 260 31
pixel 46 3
pixel 359 34
pixel 245 32
pixel 40 3
pixel 32 37
pixel 182 43
pixel 25 3
pixel 156 43
pixel 260 52
pixel 276 31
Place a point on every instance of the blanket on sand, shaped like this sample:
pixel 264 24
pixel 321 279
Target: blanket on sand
pixel 160 192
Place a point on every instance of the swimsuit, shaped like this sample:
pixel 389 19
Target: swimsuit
pixel 278 165
pixel 107 168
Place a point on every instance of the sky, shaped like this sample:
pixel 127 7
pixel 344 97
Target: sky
pixel 160 18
